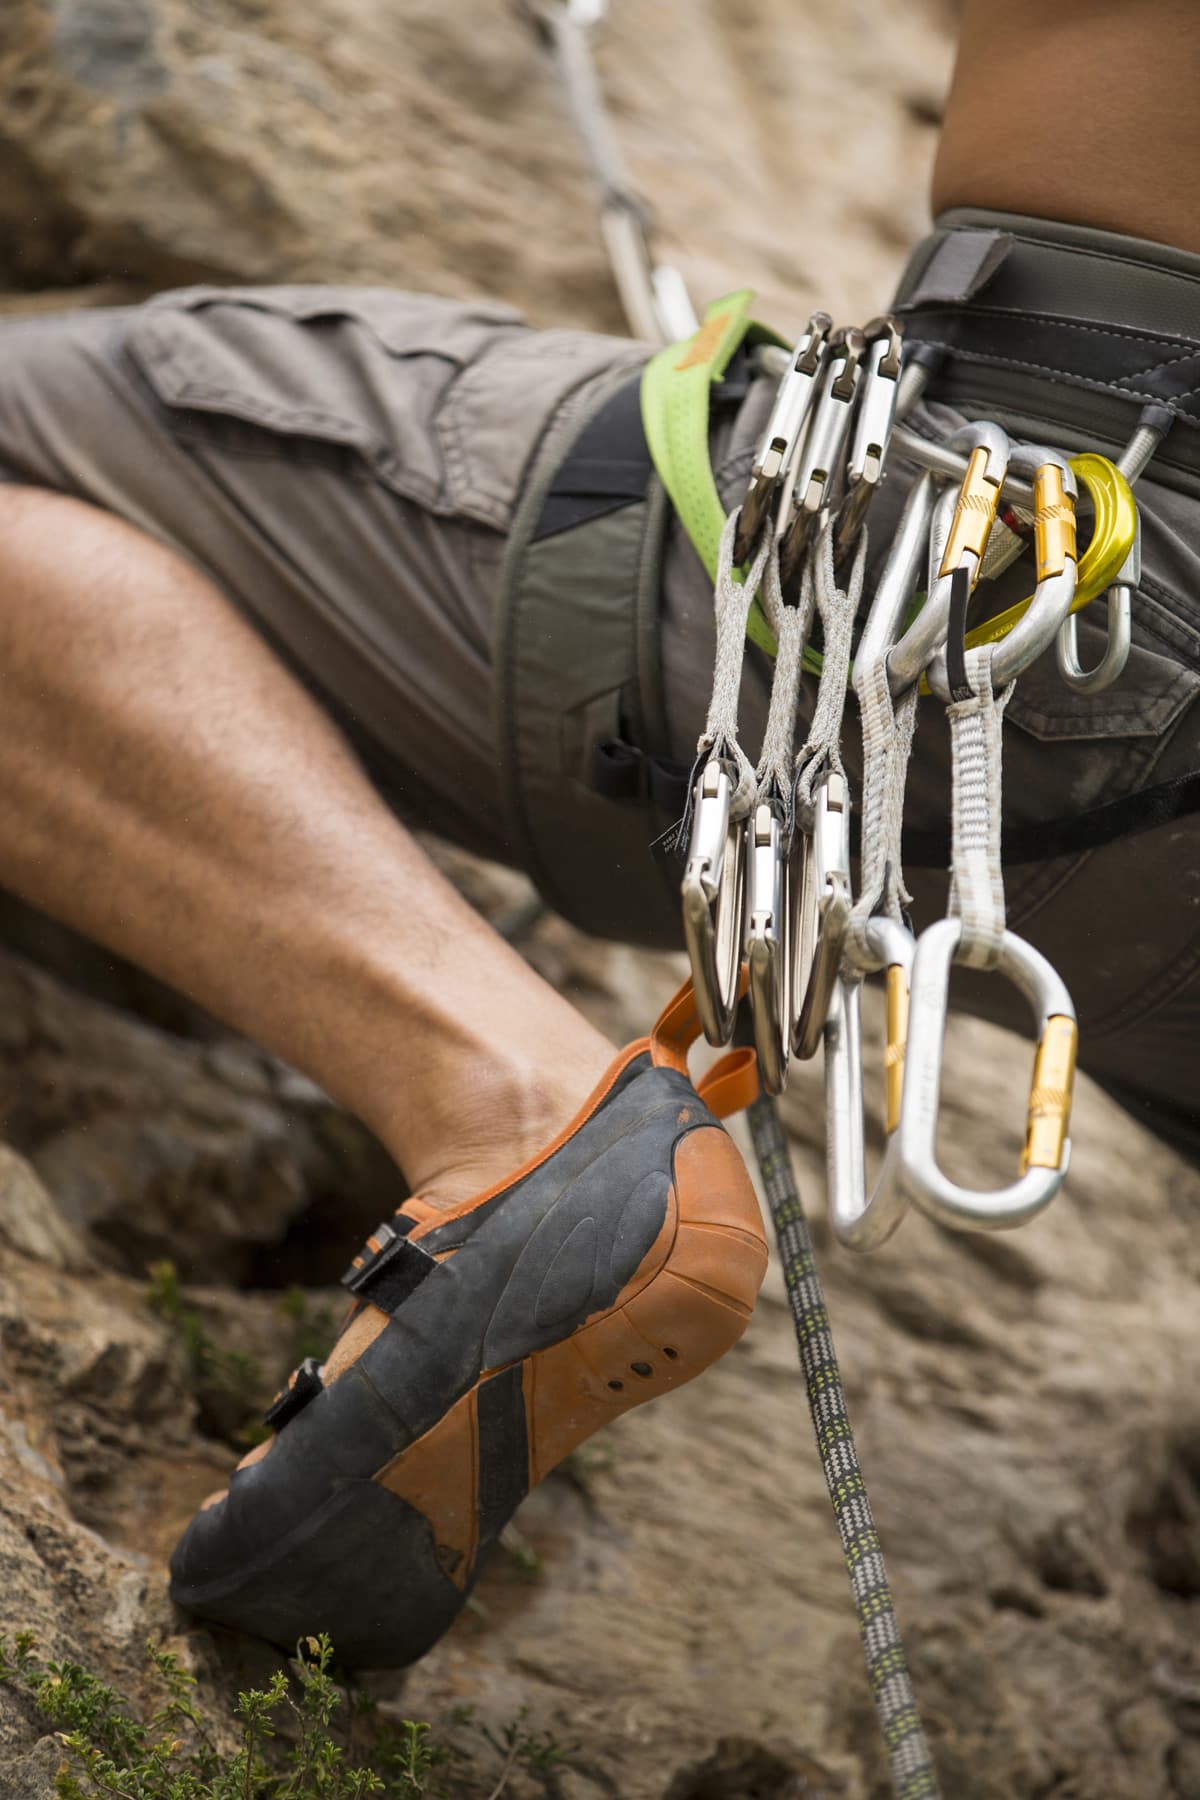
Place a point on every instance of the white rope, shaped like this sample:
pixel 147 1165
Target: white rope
pixel 731 601
pixel 837 607
pixel 976 751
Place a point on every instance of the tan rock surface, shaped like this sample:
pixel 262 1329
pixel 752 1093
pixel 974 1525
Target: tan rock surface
pixel 1027 1405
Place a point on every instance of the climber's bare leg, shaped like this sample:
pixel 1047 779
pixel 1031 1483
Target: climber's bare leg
pixel 169 790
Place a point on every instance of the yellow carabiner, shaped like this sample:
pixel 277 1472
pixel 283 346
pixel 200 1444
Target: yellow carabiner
pixel 1115 511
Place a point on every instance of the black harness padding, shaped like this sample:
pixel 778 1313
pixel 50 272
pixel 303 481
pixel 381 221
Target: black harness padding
pixel 1057 326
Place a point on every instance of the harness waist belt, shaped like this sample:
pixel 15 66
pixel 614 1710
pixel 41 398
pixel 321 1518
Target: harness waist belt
pixel 1061 332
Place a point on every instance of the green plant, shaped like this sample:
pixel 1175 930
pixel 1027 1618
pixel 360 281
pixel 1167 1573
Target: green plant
pixel 539 1750
pixel 229 1384
pixel 110 1754
pixel 313 1324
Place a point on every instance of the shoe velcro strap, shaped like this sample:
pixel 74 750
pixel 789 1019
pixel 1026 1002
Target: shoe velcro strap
pixel 389 1268
pixel 304 1386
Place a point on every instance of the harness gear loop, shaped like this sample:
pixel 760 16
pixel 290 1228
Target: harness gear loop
pixel 674 400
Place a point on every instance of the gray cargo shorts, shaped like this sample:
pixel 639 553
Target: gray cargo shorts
pixel 346 464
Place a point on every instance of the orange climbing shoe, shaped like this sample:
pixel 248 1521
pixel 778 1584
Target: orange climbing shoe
pixel 485 1344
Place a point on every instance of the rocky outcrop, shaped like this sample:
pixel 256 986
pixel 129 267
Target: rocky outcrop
pixel 673 1603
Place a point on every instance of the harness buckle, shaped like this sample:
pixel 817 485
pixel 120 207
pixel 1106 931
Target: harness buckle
pixel 822 912
pixel 713 893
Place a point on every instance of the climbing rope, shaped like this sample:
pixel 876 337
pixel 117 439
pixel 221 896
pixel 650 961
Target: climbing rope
pixel 909 1761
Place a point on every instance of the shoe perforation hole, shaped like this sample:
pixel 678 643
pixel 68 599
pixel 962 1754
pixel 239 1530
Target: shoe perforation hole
pixel 644 1369
pixel 670 1351
pixel 616 1386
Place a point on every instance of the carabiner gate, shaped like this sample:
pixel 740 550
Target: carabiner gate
pixel 1047 1146
pixel 974 508
pixel 782 437
pixel 712 890
pixel 879 390
pixel 822 912
pixel 1120 629
pixel 860 1221
pixel 815 471
pixel 767 943
pixel 1055 491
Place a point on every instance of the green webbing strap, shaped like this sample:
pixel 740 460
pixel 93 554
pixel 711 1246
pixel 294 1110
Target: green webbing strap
pixel 675 389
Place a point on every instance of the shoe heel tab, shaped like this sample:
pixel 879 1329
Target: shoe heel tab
pixel 675 1030
pixel 731 1084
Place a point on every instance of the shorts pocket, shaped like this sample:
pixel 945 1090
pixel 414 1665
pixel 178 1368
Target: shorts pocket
pixel 362 371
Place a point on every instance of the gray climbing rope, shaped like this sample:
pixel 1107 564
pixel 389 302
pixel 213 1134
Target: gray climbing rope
pixel 909 1761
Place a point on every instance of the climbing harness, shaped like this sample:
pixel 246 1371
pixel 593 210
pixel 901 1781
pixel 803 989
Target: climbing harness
pixel 769 910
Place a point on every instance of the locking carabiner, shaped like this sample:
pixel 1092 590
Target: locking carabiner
pixel 1047 1146
pixel 1120 629
pixel 822 912
pixel 860 1221
pixel 767 896
pixel 876 412
pixel 782 437
pixel 1054 491
pixel 809 490
pixel 974 509
pixel 713 892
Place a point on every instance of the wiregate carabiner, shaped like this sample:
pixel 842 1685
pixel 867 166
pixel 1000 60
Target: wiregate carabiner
pixel 713 891
pixel 822 912
pixel 782 437
pixel 974 509
pixel 879 387
pixel 767 896
pixel 1047 1146
pixel 1120 629
pixel 1055 492
pixel 859 1221
pixel 815 471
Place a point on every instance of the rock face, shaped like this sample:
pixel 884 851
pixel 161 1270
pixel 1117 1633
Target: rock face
pixel 673 1603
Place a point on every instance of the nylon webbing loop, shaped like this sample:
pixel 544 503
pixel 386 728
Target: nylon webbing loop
pixel 676 384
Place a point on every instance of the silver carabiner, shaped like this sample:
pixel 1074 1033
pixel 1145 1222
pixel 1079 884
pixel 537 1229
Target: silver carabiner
pixel 879 388
pixel 713 890
pixel 1047 1146
pixel 767 943
pixel 782 437
pixel 860 1221
pixel 822 912
pixel 1055 491
pixel 815 471
pixel 973 510
pixel 1120 629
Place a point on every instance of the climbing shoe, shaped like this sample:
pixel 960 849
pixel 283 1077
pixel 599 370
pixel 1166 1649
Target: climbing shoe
pixel 484 1344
